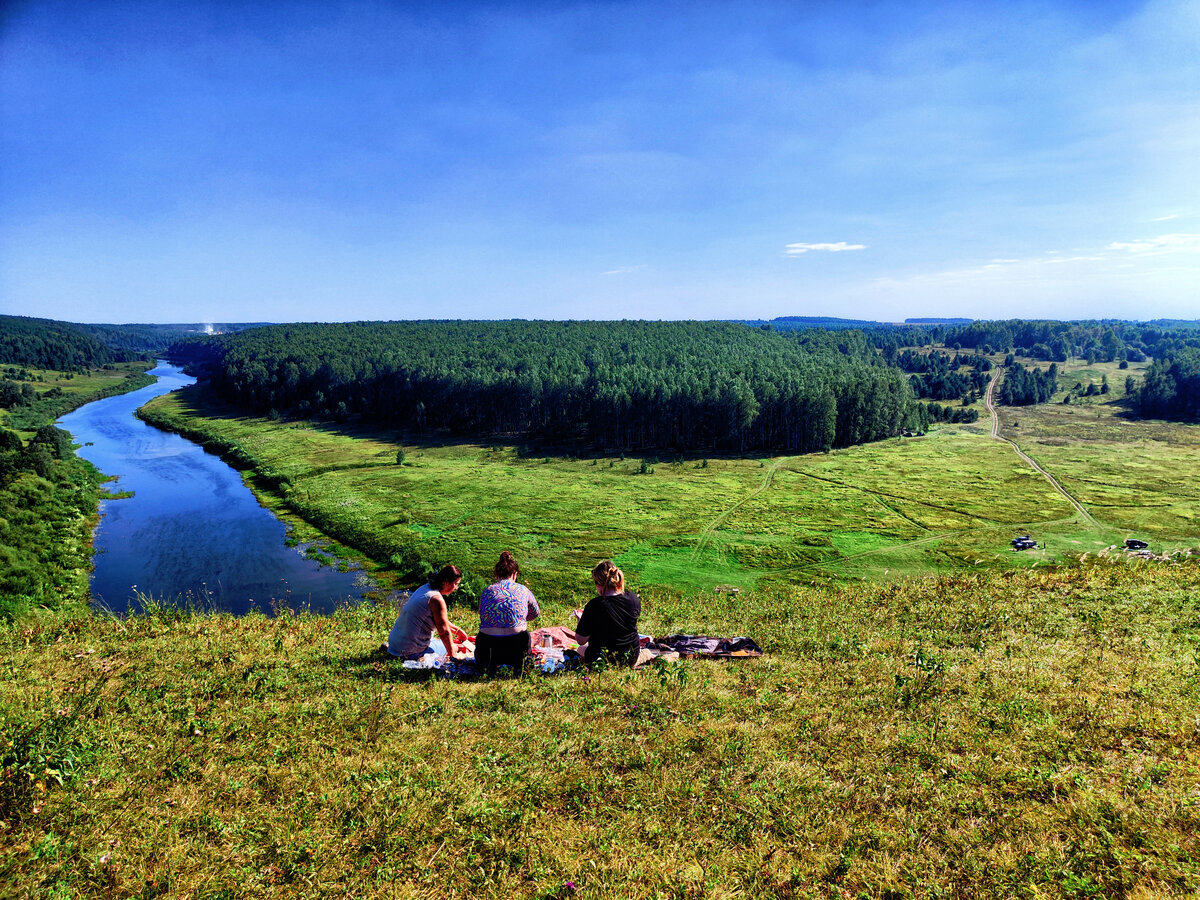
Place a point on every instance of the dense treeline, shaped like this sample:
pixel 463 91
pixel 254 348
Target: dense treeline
pixel 629 386
pixel 72 347
pixel 940 376
pixel 1171 387
pixel 1051 341
pixel 154 339
pixel 1024 387
pixel 45 344
pixel 828 323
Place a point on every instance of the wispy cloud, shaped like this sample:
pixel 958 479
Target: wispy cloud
pixel 625 270
pixel 1166 218
pixel 1165 243
pixel 797 249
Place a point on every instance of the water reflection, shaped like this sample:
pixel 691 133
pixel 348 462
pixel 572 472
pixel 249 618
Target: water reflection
pixel 192 533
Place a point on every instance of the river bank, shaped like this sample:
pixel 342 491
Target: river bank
pixel 48 512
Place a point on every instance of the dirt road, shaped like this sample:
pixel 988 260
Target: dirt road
pixel 1054 482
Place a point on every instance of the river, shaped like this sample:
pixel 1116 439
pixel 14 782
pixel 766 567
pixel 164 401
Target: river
pixel 192 533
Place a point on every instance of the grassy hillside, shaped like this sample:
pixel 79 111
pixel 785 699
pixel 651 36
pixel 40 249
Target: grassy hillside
pixel 1028 734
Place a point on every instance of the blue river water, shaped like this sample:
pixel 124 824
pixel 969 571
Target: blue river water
pixel 192 533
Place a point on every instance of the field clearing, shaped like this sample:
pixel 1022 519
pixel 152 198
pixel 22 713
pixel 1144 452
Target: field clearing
pixel 1141 478
pixel 1021 734
pixel 950 500
pixel 76 388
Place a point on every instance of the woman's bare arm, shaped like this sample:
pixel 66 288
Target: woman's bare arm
pixel 441 622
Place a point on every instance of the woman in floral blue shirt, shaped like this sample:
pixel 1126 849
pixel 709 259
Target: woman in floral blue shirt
pixel 505 609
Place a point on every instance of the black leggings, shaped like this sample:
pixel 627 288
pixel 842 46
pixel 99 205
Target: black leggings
pixel 492 652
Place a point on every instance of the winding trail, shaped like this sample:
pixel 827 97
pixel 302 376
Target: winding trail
pixel 705 535
pixel 1054 482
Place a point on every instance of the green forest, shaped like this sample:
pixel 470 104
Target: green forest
pixel 667 387
pixel 686 387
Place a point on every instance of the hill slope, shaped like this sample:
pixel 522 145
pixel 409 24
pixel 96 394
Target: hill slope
pixel 989 736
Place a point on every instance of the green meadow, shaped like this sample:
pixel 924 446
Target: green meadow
pixel 61 392
pixel 946 501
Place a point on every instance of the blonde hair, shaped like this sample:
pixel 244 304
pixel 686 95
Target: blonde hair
pixel 608 577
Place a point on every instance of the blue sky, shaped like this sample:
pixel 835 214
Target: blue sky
pixel 189 161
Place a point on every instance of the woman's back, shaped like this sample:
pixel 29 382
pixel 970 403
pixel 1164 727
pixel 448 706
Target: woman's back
pixel 610 623
pixel 414 626
pixel 505 607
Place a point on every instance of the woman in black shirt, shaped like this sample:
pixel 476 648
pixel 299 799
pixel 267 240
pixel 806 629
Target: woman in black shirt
pixel 609 621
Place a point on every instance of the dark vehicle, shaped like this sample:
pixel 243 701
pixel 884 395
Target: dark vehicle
pixel 1024 542
pixel 1135 544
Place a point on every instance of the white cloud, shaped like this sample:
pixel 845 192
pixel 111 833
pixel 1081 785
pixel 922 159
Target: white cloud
pixel 1166 218
pixel 1166 243
pixel 797 249
pixel 625 270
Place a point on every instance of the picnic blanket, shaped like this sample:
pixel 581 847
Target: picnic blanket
pixel 557 648
pixel 695 646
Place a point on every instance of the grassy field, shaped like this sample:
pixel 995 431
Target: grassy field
pixel 1021 734
pixel 992 724
pixel 1139 477
pixel 947 501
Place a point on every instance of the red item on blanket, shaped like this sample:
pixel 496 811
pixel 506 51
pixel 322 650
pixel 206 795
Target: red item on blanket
pixel 562 638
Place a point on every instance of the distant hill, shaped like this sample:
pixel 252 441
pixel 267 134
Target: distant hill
pixel 829 323
pixel 29 341
pixel 938 321
pixel 155 339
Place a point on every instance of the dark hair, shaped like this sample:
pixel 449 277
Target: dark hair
pixel 444 575
pixel 507 567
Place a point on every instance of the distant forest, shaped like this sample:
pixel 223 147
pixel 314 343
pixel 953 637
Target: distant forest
pixel 46 344
pixel 793 384
pixel 72 347
pixel 685 387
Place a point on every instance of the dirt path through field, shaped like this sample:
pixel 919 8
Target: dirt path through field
pixel 707 533
pixel 1054 482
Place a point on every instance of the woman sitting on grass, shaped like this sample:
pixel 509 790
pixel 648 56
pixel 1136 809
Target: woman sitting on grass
pixel 505 609
pixel 422 614
pixel 609 621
